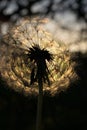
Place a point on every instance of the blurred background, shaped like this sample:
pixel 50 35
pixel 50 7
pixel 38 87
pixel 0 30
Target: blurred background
pixel 68 18
pixel 68 23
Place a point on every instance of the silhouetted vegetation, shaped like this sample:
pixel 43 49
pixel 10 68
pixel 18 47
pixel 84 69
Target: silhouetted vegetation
pixel 77 6
pixel 65 110
pixel 45 8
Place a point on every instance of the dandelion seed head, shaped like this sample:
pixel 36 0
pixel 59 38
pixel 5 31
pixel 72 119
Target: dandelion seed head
pixel 22 39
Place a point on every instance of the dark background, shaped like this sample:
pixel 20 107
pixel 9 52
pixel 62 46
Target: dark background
pixel 66 110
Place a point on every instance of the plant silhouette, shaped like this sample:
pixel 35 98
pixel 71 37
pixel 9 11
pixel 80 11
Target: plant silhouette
pixel 39 57
pixel 31 58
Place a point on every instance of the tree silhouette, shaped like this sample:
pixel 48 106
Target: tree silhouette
pixel 44 8
pixel 52 7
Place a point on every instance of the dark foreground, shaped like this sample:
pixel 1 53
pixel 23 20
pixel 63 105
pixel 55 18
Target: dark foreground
pixel 67 110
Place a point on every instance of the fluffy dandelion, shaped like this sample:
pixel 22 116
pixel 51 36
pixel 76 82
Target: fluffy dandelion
pixel 33 63
pixel 20 49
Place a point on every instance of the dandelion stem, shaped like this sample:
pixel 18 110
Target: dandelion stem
pixel 39 57
pixel 39 105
